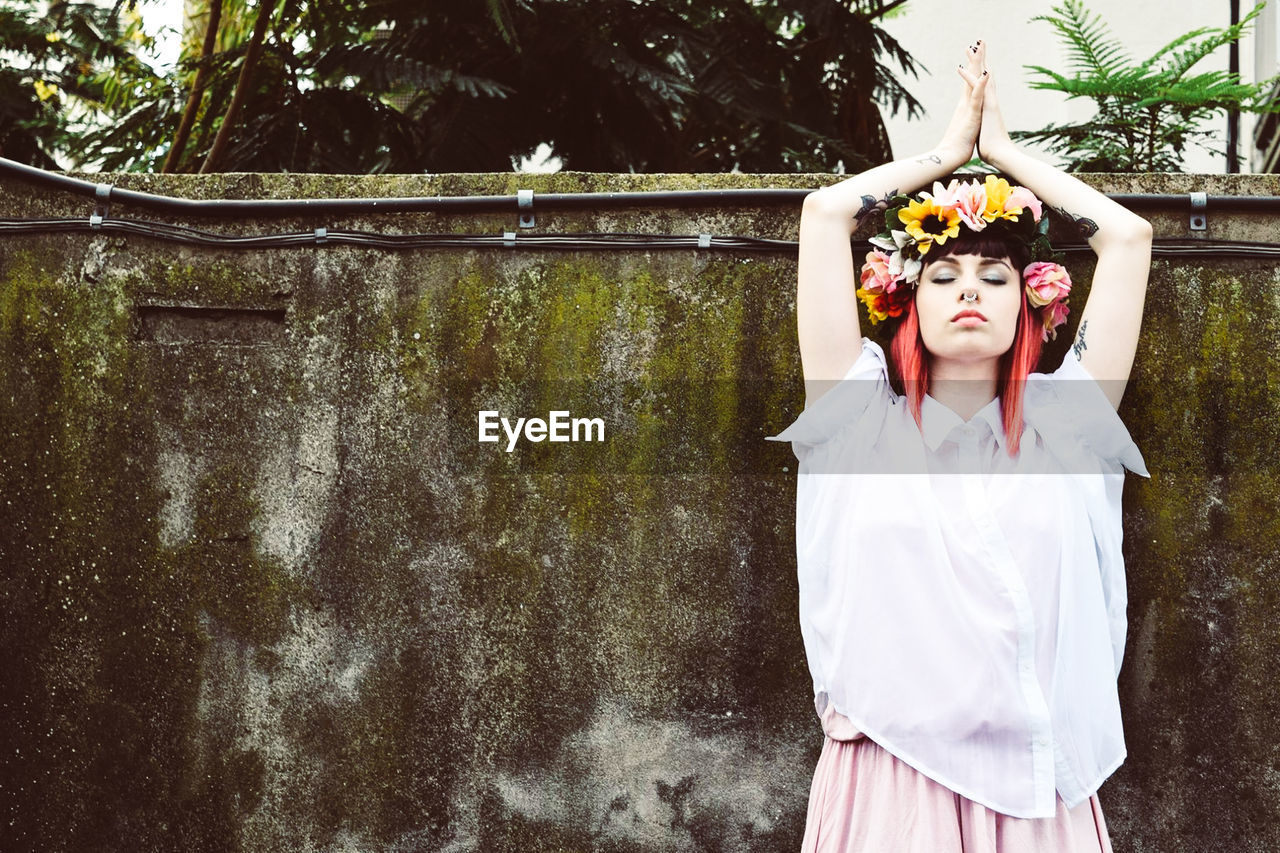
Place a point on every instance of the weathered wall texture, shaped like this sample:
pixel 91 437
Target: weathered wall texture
pixel 263 589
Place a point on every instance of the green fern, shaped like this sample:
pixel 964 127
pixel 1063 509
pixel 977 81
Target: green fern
pixel 1148 113
pixel 1092 51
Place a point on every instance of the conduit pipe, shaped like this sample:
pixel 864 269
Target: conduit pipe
pixel 258 208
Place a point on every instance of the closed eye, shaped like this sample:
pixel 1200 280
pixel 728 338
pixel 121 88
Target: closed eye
pixel 945 280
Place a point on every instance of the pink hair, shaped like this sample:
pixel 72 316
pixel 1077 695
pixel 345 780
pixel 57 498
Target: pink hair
pixel 911 367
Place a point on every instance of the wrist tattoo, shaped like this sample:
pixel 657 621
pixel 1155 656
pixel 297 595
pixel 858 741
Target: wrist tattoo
pixel 932 158
pixel 1079 346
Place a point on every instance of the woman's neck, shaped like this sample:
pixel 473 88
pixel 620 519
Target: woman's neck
pixel 964 387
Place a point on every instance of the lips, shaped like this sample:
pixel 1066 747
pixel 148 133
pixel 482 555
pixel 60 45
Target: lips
pixel 968 313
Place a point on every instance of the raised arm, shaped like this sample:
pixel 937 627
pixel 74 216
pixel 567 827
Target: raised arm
pixel 826 305
pixel 1107 337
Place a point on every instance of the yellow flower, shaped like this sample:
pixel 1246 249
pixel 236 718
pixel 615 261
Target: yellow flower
pixel 46 90
pixel 881 306
pixel 52 37
pixel 998 192
pixel 875 305
pixel 929 222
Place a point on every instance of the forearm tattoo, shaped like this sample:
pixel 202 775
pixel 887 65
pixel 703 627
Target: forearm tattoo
pixel 1086 226
pixel 868 205
pixel 932 158
pixel 871 205
pixel 1079 346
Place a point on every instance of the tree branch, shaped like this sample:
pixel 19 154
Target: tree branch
pixel 241 94
pixel 174 157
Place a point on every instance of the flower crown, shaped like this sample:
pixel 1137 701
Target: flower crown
pixel 914 225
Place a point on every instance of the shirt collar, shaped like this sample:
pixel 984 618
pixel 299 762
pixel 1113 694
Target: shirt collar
pixel 939 421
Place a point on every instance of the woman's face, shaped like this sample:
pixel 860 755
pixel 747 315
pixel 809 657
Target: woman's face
pixel 940 302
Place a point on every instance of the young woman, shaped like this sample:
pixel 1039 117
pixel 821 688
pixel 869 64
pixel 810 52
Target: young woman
pixel 962 596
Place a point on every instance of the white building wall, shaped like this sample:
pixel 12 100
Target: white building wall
pixel 937 32
pixel 1266 43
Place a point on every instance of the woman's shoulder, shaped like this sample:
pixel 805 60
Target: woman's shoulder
pixel 1071 411
pixel 870 361
pixel 864 387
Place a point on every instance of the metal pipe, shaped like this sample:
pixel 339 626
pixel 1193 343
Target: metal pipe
pixel 510 203
pixel 448 204
pixel 1233 116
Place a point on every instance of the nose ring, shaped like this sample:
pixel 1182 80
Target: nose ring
pixel 971 297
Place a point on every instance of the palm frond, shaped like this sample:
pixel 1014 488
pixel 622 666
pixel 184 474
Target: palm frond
pixel 1147 113
pixel 610 59
pixel 382 68
pixel 1180 62
pixel 503 19
pixel 1093 50
pixel 891 93
pixel 1169 48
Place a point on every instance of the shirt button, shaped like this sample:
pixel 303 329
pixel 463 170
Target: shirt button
pixel 967 430
pixel 1044 741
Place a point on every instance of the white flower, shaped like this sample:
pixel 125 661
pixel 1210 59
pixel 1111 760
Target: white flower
pixel 894 242
pixel 895 265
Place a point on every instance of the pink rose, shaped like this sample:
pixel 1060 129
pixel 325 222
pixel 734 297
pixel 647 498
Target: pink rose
pixel 1022 198
pixel 971 201
pixel 968 200
pixel 1054 315
pixel 875 273
pixel 944 196
pixel 1045 282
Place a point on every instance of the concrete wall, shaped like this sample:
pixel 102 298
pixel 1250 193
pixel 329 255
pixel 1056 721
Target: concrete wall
pixel 264 590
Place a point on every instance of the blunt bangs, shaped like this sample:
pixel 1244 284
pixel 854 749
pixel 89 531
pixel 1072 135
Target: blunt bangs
pixel 988 244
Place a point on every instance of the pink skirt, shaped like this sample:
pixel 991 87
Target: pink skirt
pixel 865 799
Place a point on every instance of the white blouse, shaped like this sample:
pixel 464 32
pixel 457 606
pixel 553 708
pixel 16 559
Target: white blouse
pixel 965 610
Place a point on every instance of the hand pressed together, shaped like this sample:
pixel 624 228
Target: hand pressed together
pixel 993 139
pixel 966 122
pixel 977 122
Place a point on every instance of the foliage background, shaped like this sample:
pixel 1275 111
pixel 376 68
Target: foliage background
pixel 439 86
pixel 1148 113
pixel 1016 41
